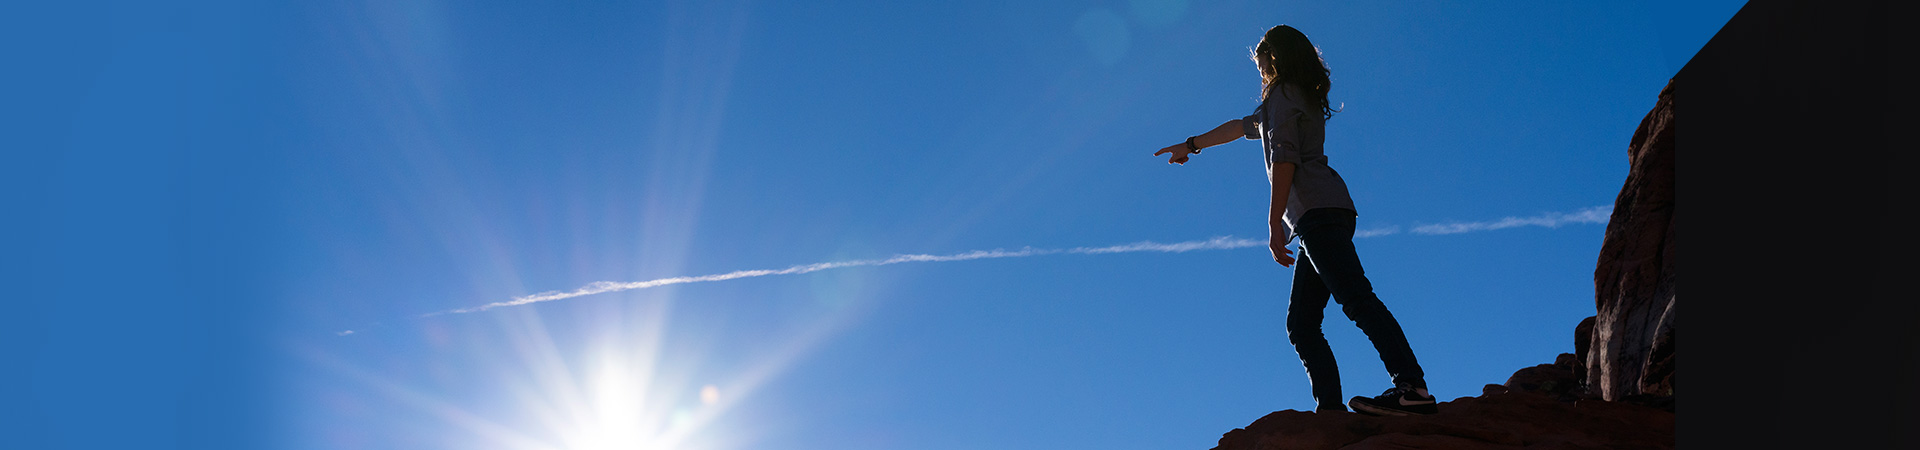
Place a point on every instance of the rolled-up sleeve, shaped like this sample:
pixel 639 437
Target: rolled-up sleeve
pixel 1250 126
pixel 1282 135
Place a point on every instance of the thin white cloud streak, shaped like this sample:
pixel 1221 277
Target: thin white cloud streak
pixel 1382 231
pixel 602 287
pixel 1597 214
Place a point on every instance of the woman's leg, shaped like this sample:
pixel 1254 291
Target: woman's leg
pixel 1306 309
pixel 1328 235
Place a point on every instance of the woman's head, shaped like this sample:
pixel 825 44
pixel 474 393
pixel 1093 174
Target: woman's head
pixel 1284 55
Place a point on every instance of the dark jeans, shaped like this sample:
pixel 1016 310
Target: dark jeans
pixel 1327 265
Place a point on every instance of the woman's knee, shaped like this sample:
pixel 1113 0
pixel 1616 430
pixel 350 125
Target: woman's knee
pixel 1299 328
pixel 1363 306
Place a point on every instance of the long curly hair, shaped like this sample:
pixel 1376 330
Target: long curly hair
pixel 1284 55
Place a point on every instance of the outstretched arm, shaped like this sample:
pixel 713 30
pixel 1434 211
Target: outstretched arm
pixel 1226 132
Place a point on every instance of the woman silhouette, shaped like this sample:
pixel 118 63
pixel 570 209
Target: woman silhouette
pixel 1311 201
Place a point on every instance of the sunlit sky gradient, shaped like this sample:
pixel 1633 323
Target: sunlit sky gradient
pixel 420 157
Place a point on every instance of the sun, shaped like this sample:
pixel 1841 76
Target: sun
pixel 617 414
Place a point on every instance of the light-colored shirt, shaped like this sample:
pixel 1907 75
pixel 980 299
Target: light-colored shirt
pixel 1292 132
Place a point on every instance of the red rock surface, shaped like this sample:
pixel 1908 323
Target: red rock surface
pixel 1632 351
pixel 1514 420
pixel 1540 407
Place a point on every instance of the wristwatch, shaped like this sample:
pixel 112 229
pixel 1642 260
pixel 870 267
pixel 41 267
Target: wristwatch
pixel 1195 149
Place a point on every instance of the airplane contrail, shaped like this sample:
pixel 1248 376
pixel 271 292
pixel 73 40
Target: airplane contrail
pixel 1593 215
pixel 1218 243
pixel 1597 214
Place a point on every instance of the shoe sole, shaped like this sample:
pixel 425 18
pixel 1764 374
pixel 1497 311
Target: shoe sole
pixel 1367 408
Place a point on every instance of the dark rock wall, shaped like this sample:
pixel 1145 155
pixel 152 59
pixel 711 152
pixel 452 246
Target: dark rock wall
pixel 1631 352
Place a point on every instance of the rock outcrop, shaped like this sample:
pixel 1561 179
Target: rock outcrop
pixel 1615 391
pixel 1632 353
pixel 1510 420
pixel 1540 408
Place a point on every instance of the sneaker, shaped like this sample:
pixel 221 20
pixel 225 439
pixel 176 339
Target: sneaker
pixel 1396 402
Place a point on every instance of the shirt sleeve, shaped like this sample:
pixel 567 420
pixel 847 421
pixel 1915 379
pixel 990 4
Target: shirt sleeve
pixel 1282 137
pixel 1250 126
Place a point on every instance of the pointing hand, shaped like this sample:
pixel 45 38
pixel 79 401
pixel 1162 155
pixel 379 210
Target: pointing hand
pixel 1179 152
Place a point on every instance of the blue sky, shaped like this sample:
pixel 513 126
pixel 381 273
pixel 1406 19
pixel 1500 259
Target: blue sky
pixel 247 214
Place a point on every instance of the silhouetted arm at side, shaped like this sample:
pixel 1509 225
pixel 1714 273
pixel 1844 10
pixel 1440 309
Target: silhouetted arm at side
pixel 1277 214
